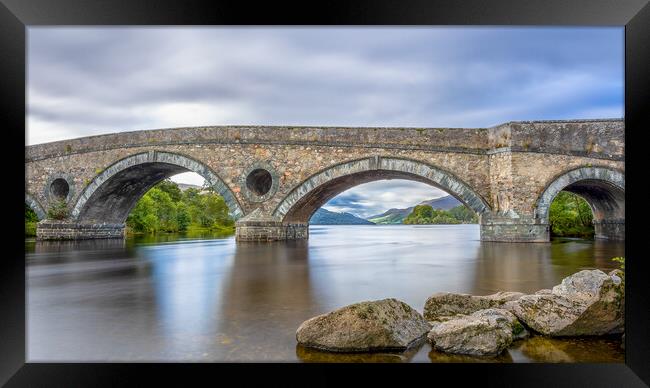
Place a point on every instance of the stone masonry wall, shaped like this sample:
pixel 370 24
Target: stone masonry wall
pixel 293 164
pixel 64 230
pixel 533 172
pixel 271 231
pixel 508 165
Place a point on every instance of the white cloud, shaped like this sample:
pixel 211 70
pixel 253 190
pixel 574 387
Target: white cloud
pixel 85 81
pixel 376 197
pixel 191 178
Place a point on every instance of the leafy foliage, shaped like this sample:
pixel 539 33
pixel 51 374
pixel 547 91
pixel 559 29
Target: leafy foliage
pixel 58 210
pixel 621 261
pixel 30 215
pixel 425 214
pixel 570 216
pixel 165 208
pixel 464 214
pixel 31 219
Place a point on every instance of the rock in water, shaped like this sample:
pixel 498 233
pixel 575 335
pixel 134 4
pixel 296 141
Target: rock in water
pixel 442 305
pixel 382 325
pixel 589 302
pixel 483 333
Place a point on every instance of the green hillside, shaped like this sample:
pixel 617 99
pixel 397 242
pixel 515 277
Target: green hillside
pixel 392 218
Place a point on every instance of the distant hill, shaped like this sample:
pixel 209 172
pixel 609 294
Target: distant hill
pixel 396 216
pixel 185 186
pixel 326 217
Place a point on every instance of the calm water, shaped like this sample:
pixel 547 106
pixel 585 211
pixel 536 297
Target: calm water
pixel 175 298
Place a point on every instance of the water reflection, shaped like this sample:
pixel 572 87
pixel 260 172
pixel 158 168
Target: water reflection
pixel 305 354
pixel 557 350
pixel 436 356
pixel 266 295
pixel 186 279
pixel 180 297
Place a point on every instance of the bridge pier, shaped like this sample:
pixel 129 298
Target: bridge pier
pixel 268 230
pixel 609 230
pixel 71 230
pixel 503 228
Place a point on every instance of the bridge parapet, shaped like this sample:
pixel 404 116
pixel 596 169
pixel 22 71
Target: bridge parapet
pixel 597 138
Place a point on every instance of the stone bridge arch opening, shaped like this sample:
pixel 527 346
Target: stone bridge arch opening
pixel 291 217
pixel 34 213
pixel 601 187
pixel 104 205
pixel 35 206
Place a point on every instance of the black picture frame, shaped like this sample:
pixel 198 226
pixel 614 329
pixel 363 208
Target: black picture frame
pixel 17 15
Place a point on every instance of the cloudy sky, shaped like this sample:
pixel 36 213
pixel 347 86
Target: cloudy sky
pixel 89 81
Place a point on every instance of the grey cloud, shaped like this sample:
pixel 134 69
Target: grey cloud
pixel 317 76
pixel 87 81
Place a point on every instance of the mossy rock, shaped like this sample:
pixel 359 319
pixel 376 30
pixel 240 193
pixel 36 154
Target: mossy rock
pixel 587 303
pixel 445 304
pixel 484 333
pixel 371 326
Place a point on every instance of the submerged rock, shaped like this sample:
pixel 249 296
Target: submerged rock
pixel 569 350
pixel 306 354
pixel 483 333
pixel 443 305
pixel 589 302
pixel 382 325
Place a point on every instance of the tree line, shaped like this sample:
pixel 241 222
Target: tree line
pixel 425 214
pixel 165 208
pixel 569 216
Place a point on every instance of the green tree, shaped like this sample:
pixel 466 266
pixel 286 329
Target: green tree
pixel 464 214
pixel 570 216
pixel 183 217
pixel 425 214
pixel 444 219
pixel 31 219
pixel 30 215
pixel 214 211
pixel 143 217
pixel 421 214
pixel 170 188
pixel 165 208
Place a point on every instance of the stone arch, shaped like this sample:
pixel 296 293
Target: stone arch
pixel 299 205
pixel 602 187
pixel 111 195
pixel 36 206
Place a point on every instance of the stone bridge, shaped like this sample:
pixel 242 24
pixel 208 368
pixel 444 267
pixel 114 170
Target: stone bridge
pixel 274 178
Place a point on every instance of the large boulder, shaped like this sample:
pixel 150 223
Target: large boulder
pixel 589 302
pixel 483 333
pixel 443 305
pixel 382 325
